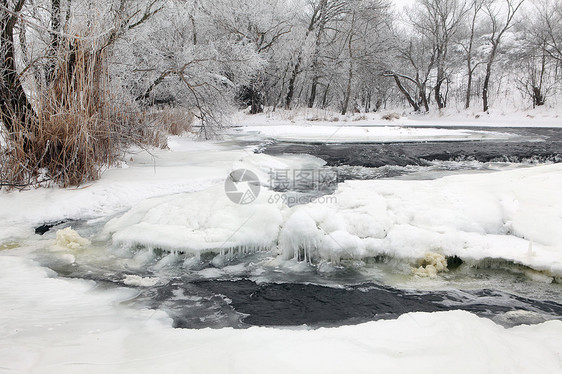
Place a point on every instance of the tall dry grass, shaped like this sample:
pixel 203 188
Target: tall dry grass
pixel 77 130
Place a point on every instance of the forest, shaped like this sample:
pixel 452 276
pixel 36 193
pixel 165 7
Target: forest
pixel 81 80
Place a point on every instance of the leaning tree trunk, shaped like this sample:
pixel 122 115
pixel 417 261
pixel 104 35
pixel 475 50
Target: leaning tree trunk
pixel 406 94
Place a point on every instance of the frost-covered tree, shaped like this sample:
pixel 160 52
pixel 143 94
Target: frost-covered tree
pixel 411 68
pixel 439 21
pixel 501 20
pixel 468 44
pixel 189 56
pixel 539 59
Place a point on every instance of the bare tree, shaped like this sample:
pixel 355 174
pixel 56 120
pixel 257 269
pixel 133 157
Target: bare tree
pixel 468 47
pixel 439 21
pixel 501 20
pixel 549 24
pixel 416 56
pixel 539 57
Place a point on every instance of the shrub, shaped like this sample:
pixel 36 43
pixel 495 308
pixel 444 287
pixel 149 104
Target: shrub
pixel 76 130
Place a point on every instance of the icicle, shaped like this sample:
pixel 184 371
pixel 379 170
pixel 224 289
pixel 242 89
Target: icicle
pixel 530 251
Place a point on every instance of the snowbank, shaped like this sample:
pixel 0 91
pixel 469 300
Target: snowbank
pixel 513 215
pixel 356 134
pixel 188 166
pixel 56 325
pixel 198 222
pixel 506 116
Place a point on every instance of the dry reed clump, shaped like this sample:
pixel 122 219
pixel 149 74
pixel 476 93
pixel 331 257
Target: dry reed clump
pixel 76 130
pixel 173 121
pixel 391 116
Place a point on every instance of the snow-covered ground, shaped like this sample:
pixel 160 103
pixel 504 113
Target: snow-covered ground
pixel 175 200
pixel 508 117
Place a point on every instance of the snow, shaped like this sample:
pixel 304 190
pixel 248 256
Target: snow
pixel 358 134
pixel 188 166
pixel 145 176
pixel 174 200
pixel 198 222
pixel 498 117
pixel 511 215
pixel 55 325
pixel 499 215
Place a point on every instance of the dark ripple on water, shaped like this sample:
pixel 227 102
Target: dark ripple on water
pixel 244 303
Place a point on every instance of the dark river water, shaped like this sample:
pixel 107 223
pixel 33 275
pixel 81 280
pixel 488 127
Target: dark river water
pixel 243 292
pixel 532 145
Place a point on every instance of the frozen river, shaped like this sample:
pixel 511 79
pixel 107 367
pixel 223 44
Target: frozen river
pixel 241 290
pixel 439 248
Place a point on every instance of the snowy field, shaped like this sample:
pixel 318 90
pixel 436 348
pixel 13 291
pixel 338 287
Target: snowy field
pixel 174 201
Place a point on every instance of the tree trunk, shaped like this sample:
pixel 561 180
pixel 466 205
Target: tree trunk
pixel 468 89
pixel 440 79
pixel 347 96
pixel 55 41
pixel 14 105
pixel 325 96
pixel 423 97
pixel 292 80
pixel 469 68
pixel 406 94
pixel 485 87
pixel 439 99
pixel 315 56
pixel 313 89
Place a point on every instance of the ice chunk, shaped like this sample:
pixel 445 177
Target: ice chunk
pixel 135 280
